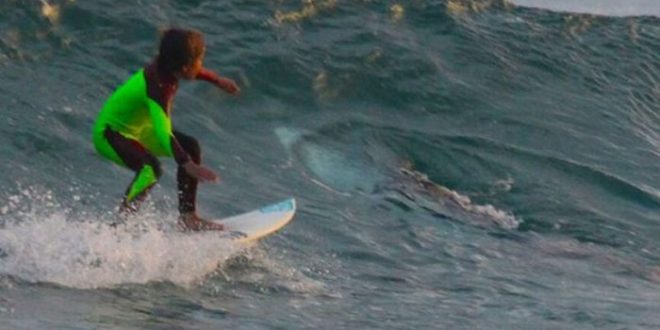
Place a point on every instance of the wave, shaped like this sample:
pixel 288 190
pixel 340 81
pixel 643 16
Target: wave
pixel 597 7
pixel 356 157
pixel 450 203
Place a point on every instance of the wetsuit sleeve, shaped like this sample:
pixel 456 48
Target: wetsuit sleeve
pixel 225 84
pixel 210 76
pixel 163 129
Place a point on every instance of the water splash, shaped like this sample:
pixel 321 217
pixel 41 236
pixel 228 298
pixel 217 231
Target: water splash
pixel 40 241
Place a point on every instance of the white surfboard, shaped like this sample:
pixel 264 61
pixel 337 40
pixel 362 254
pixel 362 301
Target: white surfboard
pixel 256 224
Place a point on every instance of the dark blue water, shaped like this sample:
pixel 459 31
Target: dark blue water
pixel 457 164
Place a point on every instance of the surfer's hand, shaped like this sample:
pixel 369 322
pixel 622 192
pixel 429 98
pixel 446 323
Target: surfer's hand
pixel 228 86
pixel 199 172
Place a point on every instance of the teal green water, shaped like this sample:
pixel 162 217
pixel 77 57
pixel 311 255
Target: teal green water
pixel 456 164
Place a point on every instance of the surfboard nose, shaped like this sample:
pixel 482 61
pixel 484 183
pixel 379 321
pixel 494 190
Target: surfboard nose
pixel 288 205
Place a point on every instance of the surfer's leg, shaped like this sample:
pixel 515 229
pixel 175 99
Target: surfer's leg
pixel 146 166
pixel 186 184
pixel 187 187
pixel 139 188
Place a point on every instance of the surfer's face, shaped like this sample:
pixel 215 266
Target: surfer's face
pixel 190 71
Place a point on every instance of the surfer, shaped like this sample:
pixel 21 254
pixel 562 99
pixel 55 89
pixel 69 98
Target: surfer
pixel 134 126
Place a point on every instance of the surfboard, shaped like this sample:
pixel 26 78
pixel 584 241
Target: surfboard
pixel 254 225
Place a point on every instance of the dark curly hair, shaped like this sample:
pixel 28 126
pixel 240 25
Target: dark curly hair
pixel 178 48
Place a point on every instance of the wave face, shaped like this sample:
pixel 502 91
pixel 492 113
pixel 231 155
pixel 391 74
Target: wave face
pixel 470 164
pixel 597 7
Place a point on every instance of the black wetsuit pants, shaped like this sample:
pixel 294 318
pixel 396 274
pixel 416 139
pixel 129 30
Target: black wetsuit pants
pixel 136 157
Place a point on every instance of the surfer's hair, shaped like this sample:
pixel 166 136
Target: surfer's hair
pixel 178 48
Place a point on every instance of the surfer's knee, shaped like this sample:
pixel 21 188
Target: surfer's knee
pixel 154 163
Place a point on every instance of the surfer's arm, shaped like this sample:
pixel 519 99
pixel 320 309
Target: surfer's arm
pixel 163 130
pixel 225 84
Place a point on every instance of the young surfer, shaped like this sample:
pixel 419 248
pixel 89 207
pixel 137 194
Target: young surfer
pixel 134 126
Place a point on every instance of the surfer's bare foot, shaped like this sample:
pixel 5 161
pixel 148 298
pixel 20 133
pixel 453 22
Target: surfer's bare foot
pixel 124 213
pixel 191 221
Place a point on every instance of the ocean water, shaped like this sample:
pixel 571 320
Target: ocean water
pixel 458 164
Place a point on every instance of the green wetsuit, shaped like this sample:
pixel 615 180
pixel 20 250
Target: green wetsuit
pixel 134 128
pixel 134 115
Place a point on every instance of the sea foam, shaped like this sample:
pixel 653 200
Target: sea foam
pixel 40 241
